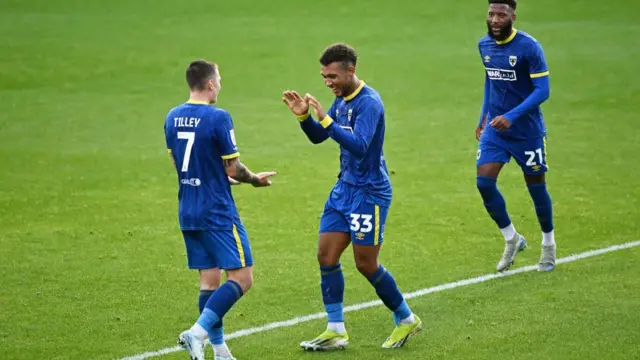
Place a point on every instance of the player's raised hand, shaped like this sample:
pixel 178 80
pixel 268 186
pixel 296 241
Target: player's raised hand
pixel 295 102
pixel 263 179
pixel 500 123
pixel 317 107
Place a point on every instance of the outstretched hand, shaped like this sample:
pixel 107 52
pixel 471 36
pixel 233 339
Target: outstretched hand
pixel 295 102
pixel 263 179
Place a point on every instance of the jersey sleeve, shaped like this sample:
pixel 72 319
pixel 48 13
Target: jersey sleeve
pixel 366 124
pixel 539 73
pixel 367 120
pixel 313 129
pixel 537 62
pixel 225 138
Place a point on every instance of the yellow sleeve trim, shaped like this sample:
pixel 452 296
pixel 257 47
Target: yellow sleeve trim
pixel 326 121
pixel 533 76
pixel 303 117
pixel 169 150
pixel 230 156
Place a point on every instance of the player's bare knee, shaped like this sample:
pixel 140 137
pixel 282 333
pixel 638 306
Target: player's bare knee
pixel 366 265
pixel 326 256
pixel 246 284
pixel 208 285
pixel 210 279
pixel 330 247
pixel 491 170
pixel 366 258
pixel 243 276
pixel 367 268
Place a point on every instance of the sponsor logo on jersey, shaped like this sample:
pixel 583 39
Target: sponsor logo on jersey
pixel 192 182
pixel 501 74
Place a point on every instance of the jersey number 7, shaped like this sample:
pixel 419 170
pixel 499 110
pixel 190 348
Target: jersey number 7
pixel 190 137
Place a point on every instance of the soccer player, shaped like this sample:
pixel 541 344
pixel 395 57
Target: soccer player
pixel 511 125
pixel 202 144
pixel 358 204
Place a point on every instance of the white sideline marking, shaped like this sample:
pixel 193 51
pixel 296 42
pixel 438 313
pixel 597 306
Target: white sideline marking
pixel 421 292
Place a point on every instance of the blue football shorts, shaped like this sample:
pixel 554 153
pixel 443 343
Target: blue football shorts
pixel 530 154
pixel 224 249
pixel 349 209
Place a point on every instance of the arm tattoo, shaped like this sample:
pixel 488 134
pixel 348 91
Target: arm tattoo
pixel 242 173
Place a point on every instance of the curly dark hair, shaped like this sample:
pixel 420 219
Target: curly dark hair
pixel 340 52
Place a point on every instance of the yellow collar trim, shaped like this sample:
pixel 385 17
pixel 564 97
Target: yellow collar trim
pixel 513 34
pixel 355 93
pixel 191 101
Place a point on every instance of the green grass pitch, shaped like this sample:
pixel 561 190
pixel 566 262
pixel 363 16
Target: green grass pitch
pixel 92 263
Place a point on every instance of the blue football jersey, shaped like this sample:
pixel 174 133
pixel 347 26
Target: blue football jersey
pixel 362 113
pixel 199 137
pixel 510 67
